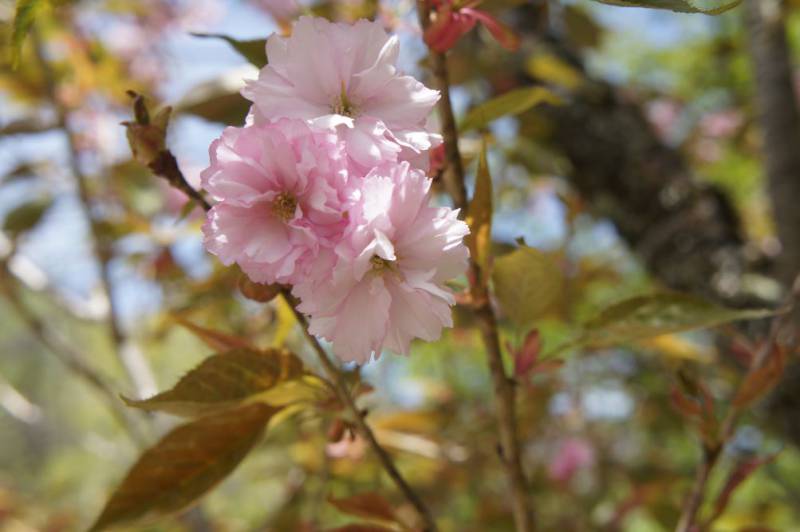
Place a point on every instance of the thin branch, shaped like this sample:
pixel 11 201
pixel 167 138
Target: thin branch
pixel 130 357
pixel 344 395
pixel 70 357
pixel 17 405
pixel 165 165
pixel 686 523
pixel 504 387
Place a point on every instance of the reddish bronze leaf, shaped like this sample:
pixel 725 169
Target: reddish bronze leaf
pixel 528 355
pixel 224 381
pixel 762 379
pixel 360 527
pixel 216 340
pixel 184 465
pixel 737 476
pixel 367 505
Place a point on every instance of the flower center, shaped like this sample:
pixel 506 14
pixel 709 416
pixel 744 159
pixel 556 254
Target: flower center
pixel 284 206
pixel 343 105
pixel 381 265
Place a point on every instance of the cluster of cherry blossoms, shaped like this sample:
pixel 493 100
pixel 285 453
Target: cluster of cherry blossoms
pixel 325 189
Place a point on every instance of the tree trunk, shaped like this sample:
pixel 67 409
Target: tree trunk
pixel 779 120
pixel 686 232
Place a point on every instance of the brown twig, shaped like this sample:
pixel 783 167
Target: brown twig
pixel 344 395
pixel 686 523
pixel 165 165
pixel 711 453
pixel 454 172
pixel 136 367
pixel 70 357
pixel 504 387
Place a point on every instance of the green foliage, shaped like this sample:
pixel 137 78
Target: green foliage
pixel 527 282
pixel 479 218
pixel 643 317
pixel 26 216
pixel 708 7
pixel 510 103
pixel 25 14
pixel 185 464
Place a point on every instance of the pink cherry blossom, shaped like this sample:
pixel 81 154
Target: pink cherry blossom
pixel 383 285
pixel 573 454
pixel 282 194
pixel 343 76
pixel 282 11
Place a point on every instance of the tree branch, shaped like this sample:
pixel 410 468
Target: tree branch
pixel 70 357
pixel 136 367
pixel 504 387
pixel 165 165
pixel 344 395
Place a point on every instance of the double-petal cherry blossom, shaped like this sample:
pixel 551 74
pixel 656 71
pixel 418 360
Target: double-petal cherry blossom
pixel 344 76
pixel 282 192
pixel 324 189
pixel 383 285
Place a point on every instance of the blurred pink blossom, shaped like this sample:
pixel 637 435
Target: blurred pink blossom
pixel 282 11
pixel 721 123
pixel 663 114
pixel 573 454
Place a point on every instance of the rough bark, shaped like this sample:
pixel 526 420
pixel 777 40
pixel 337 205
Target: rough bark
pixel 779 121
pixel 686 233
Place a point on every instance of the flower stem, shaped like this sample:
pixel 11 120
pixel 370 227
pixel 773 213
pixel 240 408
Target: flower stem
pixel 504 387
pixel 344 395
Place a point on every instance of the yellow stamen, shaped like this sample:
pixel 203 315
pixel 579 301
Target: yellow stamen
pixel 344 106
pixel 284 206
pixel 379 264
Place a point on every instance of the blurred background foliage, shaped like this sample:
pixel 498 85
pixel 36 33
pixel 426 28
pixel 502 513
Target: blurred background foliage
pixel 648 175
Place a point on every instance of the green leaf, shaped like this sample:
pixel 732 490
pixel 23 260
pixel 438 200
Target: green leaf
pixel 527 283
pixel 510 103
pixel 708 7
pixel 23 21
pixel 643 317
pixel 479 217
pixel 184 465
pixel 255 50
pixel 26 216
pixel 224 381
